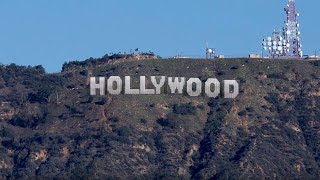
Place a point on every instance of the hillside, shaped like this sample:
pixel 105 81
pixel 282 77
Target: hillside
pixel 51 127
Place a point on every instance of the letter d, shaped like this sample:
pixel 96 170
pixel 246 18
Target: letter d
pixel 227 85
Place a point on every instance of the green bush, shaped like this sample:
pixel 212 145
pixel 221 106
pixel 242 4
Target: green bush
pixel 235 67
pixel 123 131
pixel 250 109
pixel 143 121
pixel 102 101
pixel 201 106
pixel 6 132
pixel 184 109
pixel 158 140
pixel 316 63
pixel 113 119
pixel 242 113
pixel 213 102
pixel 221 73
pixel 21 121
pixel 169 122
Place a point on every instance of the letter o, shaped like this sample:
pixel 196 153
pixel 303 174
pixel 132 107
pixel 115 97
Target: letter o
pixel 216 91
pixel 118 81
pixel 198 82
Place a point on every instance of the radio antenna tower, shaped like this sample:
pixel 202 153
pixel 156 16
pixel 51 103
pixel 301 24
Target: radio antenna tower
pixel 285 44
pixel 291 31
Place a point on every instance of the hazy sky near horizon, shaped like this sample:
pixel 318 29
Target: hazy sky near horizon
pixel 51 32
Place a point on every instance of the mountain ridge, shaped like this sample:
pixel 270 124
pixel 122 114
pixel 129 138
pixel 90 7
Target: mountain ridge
pixel 52 127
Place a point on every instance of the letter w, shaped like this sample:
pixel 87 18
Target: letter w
pixel 176 84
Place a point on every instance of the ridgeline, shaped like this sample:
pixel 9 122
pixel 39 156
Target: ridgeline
pixel 50 126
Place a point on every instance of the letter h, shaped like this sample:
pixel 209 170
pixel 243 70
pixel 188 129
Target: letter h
pixel 94 86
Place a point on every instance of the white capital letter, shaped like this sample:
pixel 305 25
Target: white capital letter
pixel 128 89
pixel 216 91
pixel 158 86
pixel 94 86
pixel 143 89
pixel 197 92
pixel 118 82
pixel 227 93
pixel 176 84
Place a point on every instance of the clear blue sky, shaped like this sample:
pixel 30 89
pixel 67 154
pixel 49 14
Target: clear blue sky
pixel 50 32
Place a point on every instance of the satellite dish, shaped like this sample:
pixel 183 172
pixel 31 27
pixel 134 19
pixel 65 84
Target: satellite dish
pixel 269 39
pixel 280 43
pixel 288 45
pixel 274 47
pixel 299 32
pixel 264 44
pixel 210 51
pixel 269 43
pixel 265 48
pixel 298 14
pixel 274 42
pixel 298 25
pixel 280 48
pixel 288 32
pixel 270 48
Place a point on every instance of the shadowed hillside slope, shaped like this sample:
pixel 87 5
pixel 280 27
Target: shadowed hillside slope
pixel 51 127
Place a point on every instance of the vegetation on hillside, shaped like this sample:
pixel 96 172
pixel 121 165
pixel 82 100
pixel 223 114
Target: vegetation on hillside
pixel 50 127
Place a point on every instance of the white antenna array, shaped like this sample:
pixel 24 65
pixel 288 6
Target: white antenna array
pixel 276 45
pixel 287 42
pixel 209 52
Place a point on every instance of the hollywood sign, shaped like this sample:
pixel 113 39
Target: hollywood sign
pixel 114 85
